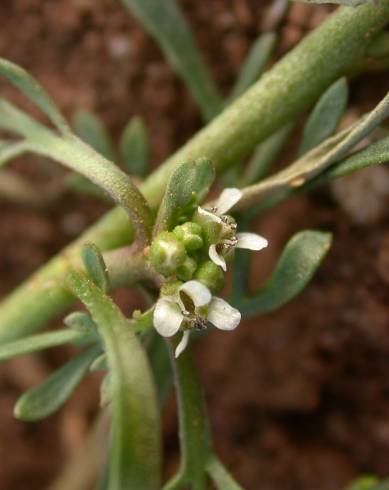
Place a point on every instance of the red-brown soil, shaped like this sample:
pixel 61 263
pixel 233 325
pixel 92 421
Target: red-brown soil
pixel 299 399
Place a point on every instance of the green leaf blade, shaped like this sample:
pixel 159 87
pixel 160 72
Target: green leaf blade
pixel 325 116
pixel 94 264
pixel 166 23
pixel 134 146
pixel 34 343
pixel 348 3
pixel 44 399
pixel 92 131
pixel 27 84
pixel 188 185
pixel 298 262
pixel 256 59
pixel 135 448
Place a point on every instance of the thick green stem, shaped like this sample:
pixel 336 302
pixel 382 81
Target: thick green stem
pixel 280 95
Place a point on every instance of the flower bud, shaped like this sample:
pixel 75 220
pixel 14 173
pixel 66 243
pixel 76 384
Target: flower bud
pixel 170 287
pixel 211 275
pixel 187 269
pixel 212 230
pixel 167 253
pixel 190 235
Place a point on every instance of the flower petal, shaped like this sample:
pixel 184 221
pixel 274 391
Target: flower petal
pixel 182 345
pixel 227 199
pixel 252 241
pixel 223 315
pixel 216 258
pixel 198 293
pixel 209 214
pixel 167 317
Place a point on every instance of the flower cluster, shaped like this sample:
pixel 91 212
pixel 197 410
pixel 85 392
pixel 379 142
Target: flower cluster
pixel 192 306
pixel 193 257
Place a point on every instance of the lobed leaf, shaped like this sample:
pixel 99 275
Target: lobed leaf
pixel 34 343
pixel 134 147
pixel 187 186
pixel 325 116
pixel 93 132
pixel 298 262
pixel 166 23
pixel 34 91
pixel 43 400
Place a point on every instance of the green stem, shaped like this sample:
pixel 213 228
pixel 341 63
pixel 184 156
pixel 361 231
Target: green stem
pixel 280 95
pixel 195 441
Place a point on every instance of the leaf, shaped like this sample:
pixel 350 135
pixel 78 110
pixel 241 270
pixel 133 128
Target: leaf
pixel 95 265
pixel 11 150
pixel 298 262
pixel 265 156
pixel 374 154
pixel 92 131
pixel 368 482
pixel 325 116
pixel 80 184
pixel 99 364
pixel 34 91
pixel 220 476
pixel 34 343
pixel 258 55
pixel 134 147
pixel 165 22
pixel 78 156
pixel 80 321
pixel 135 446
pixel 187 186
pixel 106 391
pixel 43 400
pixel 317 160
pixel 350 3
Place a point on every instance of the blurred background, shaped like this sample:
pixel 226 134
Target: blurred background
pixel 298 399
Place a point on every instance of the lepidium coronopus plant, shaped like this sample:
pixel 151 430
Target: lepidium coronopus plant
pixel 171 240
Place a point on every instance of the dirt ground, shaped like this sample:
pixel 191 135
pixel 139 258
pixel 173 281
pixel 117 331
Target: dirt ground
pixel 298 399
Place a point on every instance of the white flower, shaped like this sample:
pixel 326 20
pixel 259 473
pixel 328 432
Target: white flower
pixel 227 199
pixel 191 308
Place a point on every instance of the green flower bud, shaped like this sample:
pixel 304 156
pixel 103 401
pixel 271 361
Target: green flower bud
pixel 212 231
pixel 187 269
pixel 167 253
pixel 190 234
pixel 170 287
pixel 211 275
